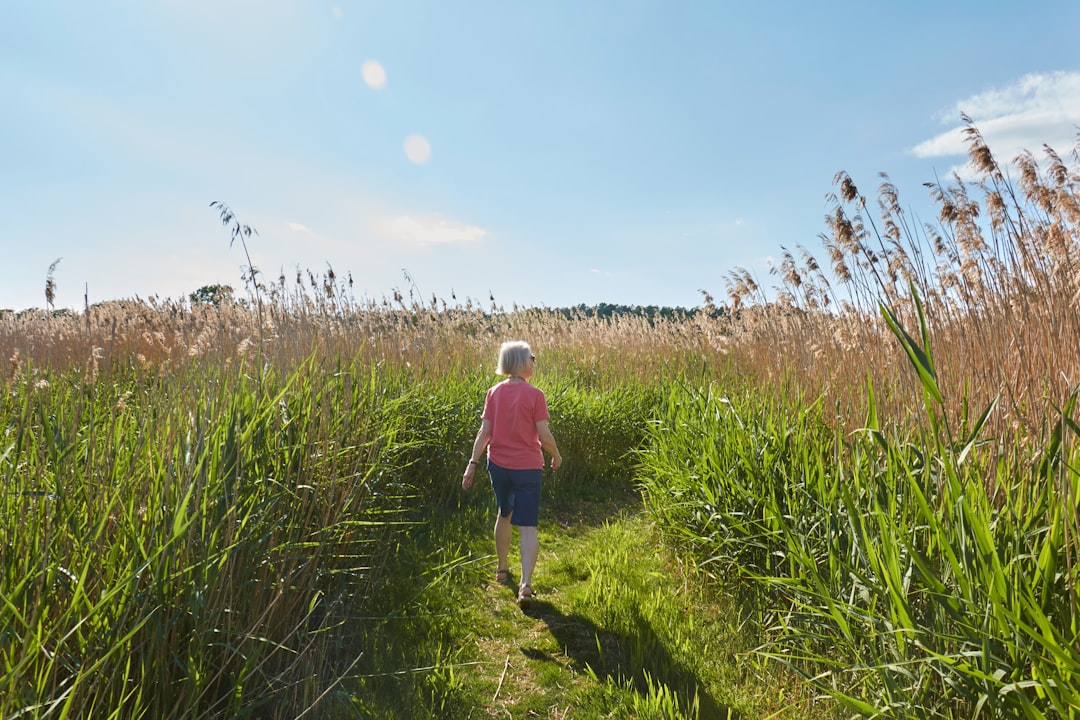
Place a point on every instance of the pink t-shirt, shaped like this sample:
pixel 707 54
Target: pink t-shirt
pixel 514 408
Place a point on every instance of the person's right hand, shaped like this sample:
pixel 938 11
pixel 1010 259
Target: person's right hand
pixel 556 461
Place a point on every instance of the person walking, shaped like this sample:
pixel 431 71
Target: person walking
pixel 514 430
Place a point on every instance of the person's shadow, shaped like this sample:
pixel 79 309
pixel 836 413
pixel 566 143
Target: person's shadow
pixel 611 655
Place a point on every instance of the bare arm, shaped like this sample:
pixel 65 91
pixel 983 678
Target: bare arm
pixel 483 437
pixel 547 441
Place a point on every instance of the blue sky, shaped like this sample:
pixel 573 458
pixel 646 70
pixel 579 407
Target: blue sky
pixel 548 153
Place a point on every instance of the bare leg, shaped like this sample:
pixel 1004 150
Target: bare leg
pixel 503 531
pixel 530 549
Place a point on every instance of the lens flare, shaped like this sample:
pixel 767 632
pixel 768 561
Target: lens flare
pixel 374 74
pixel 417 149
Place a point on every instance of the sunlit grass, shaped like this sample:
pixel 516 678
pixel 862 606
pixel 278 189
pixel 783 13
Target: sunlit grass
pixel 187 541
pixel 893 572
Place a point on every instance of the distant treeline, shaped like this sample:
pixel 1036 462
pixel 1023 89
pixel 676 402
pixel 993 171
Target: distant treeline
pixel 216 294
pixel 652 312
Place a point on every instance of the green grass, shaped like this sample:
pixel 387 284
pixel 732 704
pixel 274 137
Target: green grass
pixel 906 575
pixel 188 544
pixel 619 628
pixel 195 539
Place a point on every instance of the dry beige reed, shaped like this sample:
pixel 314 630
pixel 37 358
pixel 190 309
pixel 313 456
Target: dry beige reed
pixel 998 275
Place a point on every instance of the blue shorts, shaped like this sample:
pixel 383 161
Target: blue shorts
pixel 517 492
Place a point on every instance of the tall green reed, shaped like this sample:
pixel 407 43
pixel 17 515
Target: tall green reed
pixel 180 545
pixel 906 573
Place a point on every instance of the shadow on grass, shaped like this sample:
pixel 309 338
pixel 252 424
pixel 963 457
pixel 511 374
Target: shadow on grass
pixel 566 504
pixel 616 656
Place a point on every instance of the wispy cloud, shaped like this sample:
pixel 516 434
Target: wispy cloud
pixel 312 248
pixel 1038 109
pixel 427 230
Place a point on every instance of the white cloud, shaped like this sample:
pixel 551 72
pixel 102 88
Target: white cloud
pixel 1038 109
pixel 1036 93
pixel 421 230
pixel 310 247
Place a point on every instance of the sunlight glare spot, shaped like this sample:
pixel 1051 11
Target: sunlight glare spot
pixel 417 149
pixel 374 74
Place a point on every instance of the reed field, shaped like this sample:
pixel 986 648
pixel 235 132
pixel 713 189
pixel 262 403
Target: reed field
pixel 212 504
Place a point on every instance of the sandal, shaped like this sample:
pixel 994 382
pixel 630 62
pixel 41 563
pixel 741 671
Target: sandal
pixel 525 596
pixel 502 576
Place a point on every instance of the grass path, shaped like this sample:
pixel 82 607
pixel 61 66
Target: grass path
pixel 615 631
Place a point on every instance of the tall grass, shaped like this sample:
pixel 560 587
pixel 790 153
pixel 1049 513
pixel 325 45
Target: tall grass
pixel 193 533
pixel 182 545
pixel 887 573
pixel 997 275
